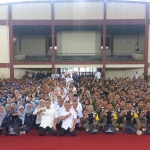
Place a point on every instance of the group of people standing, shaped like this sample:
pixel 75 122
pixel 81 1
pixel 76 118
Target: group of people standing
pixel 59 106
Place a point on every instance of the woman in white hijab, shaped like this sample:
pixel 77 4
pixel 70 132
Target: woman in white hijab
pixel 2 115
pixel 4 121
pixel 38 119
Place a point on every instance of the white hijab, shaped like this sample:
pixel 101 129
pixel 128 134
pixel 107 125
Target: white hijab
pixel 2 115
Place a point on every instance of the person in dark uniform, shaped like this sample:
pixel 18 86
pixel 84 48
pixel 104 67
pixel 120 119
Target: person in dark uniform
pixel 129 115
pixel 109 116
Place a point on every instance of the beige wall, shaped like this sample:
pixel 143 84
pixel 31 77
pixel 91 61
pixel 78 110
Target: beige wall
pixel 3 12
pixel 123 10
pixel 78 42
pixel 4 44
pixel 31 11
pixel 4 73
pixel 78 10
pixel 33 44
pixel 120 72
pixel 125 44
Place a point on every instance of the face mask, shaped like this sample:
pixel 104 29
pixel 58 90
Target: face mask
pixel 37 101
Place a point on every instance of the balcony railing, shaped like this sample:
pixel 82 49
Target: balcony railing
pixel 32 56
pixel 78 57
pixel 133 56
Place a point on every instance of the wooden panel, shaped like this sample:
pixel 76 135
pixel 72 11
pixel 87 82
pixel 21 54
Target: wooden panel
pixel 120 10
pixel 31 11
pixel 78 10
pixel 3 12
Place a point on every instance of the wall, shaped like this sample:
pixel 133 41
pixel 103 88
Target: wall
pixel 4 44
pixel 123 10
pixel 98 42
pixel 3 12
pixel 125 44
pixel 31 11
pixel 126 72
pixel 33 44
pixel 4 73
pixel 78 10
pixel 78 42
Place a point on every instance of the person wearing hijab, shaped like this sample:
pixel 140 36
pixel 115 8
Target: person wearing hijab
pixel 4 121
pixel 19 103
pixel 38 116
pixel 8 109
pixel 9 100
pixel 14 114
pixel 29 116
pixel 22 122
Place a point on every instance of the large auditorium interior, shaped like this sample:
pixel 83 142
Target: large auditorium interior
pixel 74 74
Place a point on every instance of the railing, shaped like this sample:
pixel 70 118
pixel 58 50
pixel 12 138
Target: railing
pixel 131 56
pixel 78 57
pixel 36 56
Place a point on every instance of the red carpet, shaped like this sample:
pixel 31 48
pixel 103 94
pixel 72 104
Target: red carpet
pixel 82 141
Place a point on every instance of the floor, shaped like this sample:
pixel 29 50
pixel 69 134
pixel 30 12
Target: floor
pixel 82 141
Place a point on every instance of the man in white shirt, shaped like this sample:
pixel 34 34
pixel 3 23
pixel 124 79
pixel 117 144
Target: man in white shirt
pixel 79 115
pixel 59 107
pixel 69 118
pixel 49 119
pixel 98 75
pixel 137 75
pixel 75 99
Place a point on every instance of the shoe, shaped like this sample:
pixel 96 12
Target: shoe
pixel 87 130
pixel 139 132
pixel 143 129
pixel 22 132
pixel 117 129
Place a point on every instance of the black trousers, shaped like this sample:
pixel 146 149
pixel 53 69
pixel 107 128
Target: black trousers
pixel 62 132
pixel 58 126
pixel 77 127
pixel 42 131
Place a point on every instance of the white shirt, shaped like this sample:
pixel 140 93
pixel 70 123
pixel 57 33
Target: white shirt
pixel 68 122
pixel 48 117
pixel 79 114
pixel 62 76
pixel 69 80
pixel 98 75
pixel 38 118
pixel 79 107
pixel 137 75
pixel 59 110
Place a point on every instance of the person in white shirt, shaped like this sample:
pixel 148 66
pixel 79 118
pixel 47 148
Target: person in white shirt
pixel 75 99
pixel 69 118
pixel 59 107
pixel 137 75
pixel 79 115
pixel 38 116
pixel 49 119
pixel 98 75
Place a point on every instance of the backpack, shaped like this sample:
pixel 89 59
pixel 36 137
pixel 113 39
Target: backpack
pixel 109 129
pixel 148 129
pixel 130 128
pixel 93 129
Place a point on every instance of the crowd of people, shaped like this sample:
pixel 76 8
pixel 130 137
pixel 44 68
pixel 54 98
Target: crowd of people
pixel 65 105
